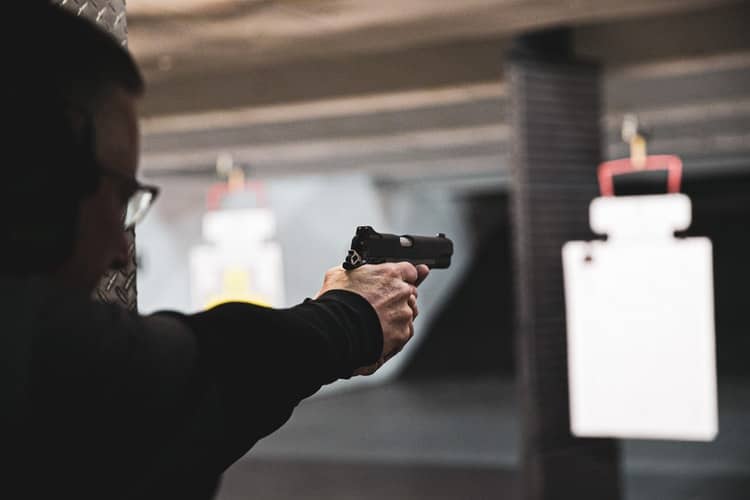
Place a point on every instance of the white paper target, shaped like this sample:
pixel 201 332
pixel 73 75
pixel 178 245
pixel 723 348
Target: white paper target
pixel 640 323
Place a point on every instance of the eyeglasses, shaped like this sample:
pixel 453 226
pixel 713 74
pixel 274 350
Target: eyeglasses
pixel 139 197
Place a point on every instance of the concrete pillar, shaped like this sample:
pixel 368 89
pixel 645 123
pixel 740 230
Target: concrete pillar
pixel 117 287
pixel 557 145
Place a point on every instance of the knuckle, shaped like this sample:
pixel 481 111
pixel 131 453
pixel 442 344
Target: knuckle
pixel 407 312
pixel 411 272
pixel 387 268
pixel 405 337
pixel 395 272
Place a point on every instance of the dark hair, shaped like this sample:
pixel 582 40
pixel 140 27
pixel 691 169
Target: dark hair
pixel 59 71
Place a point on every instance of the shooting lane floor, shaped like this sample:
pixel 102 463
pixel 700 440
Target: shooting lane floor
pixel 458 439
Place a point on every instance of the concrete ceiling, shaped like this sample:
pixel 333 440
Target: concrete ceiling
pixel 177 38
pixel 413 89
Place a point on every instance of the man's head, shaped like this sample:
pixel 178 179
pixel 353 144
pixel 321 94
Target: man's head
pixel 73 149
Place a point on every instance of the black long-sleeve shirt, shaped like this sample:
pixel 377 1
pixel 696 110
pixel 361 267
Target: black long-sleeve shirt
pixel 100 403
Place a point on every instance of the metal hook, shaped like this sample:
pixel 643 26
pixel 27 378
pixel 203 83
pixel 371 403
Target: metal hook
pixel 235 175
pixel 635 136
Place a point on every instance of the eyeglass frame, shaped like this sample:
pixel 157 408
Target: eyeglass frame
pixel 133 185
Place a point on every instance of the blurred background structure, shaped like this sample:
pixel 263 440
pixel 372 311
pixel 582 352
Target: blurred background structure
pixel 418 116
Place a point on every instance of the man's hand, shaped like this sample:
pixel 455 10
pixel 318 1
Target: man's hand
pixel 391 289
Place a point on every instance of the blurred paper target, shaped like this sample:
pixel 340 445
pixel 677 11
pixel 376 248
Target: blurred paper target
pixel 241 261
pixel 640 322
pixel 240 264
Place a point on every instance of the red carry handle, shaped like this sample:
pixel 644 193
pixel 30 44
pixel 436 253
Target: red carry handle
pixel 672 164
pixel 218 191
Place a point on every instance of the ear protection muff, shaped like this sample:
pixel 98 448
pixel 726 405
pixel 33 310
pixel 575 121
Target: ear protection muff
pixel 82 164
pixel 53 167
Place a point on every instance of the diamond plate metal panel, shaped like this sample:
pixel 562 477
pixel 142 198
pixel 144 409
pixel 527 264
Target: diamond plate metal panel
pixel 109 14
pixel 117 287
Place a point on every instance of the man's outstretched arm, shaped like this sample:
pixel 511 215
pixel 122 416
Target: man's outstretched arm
pixel 190 394
pixel 264 361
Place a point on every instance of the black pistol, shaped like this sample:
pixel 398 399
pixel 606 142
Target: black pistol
pixel 371 247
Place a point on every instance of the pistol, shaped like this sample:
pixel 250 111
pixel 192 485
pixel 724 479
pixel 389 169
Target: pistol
pixel 371 247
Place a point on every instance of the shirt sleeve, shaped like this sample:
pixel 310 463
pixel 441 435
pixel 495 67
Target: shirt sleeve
pixel 109 393
pixel 189 393
pixel 262 362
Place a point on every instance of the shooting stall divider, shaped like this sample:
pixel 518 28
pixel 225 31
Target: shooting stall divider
pixel 117 287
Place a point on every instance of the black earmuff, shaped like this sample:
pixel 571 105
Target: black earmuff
pixel 82 163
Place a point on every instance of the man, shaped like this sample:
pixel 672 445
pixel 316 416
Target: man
pixel 98 402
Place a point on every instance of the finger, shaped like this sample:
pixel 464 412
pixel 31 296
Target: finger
pixel 422 272
pixel 407 311
pixel 402 290
pixel 370 369
pixel 391 354
pixel 413 305
pixel 366 370
pixel 407 271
